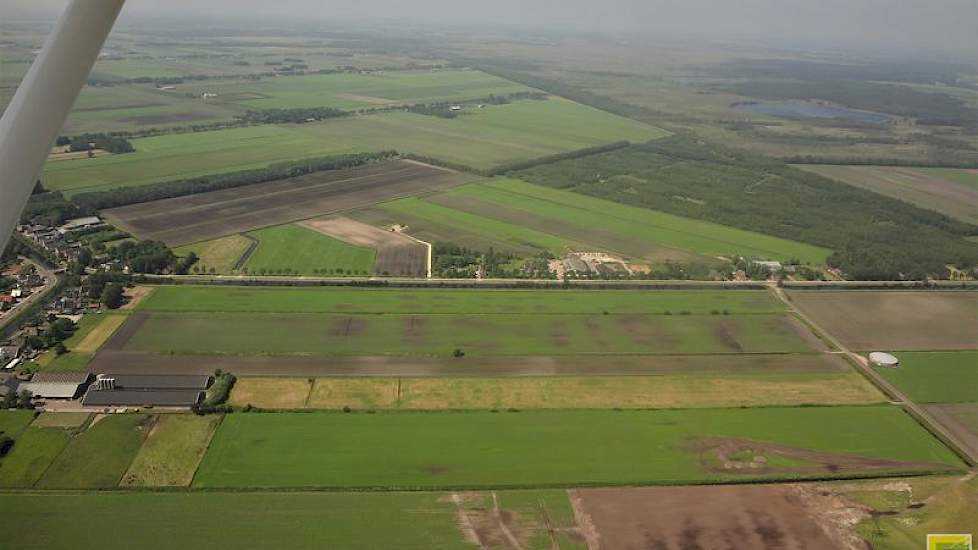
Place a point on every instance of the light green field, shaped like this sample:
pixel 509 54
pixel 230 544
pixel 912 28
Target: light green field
pixel 92 332
pixel 34 450
pixel 299 521
pixel 171 453
pixel 99 456
pixel 936 377
pixel 421 301
pixel 541 448
pixel 968 178
pixel 630 231
pixel 303 251
pixel 221 255
pixel 687 390
pixel 357 91
pixel 14 422
pixel 438 335
pixel 496 135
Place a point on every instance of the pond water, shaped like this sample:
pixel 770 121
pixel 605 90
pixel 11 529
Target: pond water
pixel 809 109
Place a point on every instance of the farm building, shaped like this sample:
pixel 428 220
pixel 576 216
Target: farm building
pixel 57 385
pixel 881 359
pixel 147 390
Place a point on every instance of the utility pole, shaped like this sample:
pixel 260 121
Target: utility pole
pixel 38 110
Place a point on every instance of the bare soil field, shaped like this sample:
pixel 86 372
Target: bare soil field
pixel 895 320
pixel 918 187
pixel 206 216
pixel 397 255
pixel 961 419
pixel 712 518
pixel 114 359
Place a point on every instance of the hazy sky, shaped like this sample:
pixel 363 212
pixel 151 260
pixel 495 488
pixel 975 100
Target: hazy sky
pixel 897 24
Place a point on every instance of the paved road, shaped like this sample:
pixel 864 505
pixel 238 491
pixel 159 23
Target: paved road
pixel 51 280
pixel 892 391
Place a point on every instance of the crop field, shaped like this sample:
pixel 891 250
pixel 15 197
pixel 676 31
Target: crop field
pixel 895 320
pixel 563 447
pixel 172 451
pixel 98 457
pixel 357 91
pixel 303 251
pixel 949 191
pixel 33 452
pixel 397 254
pixel 187 299
pixel 300 521
pixel 824 386
pixel 439 335
pixel 515 213
pixel 221 255
pixel 493 136
pixel 936 377
pixel 206 216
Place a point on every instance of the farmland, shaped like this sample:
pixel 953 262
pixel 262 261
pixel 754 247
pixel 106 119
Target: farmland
pixel 221 255
pixel 92 332
pixel 412 521
pixel 490 137
pixel 34 451
pixel 560 448
pixel 206 216
pixel 396 254
pixel 895 320
pixel 305 252
pixel 949 191
pixel 512 214
pixel 936 377
pixel 824 384
pixel 99 457
pixel 172 451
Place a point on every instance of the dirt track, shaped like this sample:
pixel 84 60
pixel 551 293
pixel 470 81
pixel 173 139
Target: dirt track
pixel 706 518
pixel 397 254
pixel 210 215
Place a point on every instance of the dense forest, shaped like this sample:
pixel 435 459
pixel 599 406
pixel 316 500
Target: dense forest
pixel 797 69
pixel 874 237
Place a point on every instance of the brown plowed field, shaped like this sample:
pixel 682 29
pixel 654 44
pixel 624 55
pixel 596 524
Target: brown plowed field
pixel 206 216
pixel 397 255
pixel 870 320
pixel 711 518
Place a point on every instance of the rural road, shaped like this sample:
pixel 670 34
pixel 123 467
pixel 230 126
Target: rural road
pixel 967 451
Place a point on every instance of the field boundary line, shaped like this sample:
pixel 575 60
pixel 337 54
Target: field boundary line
pixel 245 257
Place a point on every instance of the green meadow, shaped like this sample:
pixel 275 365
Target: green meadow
pixel 303 251
pixel 542 448
pixel 936 377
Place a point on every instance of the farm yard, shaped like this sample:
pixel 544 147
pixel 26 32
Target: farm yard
pixel 206 216
pixel 494 136
pixel 949 191
pixel 895 320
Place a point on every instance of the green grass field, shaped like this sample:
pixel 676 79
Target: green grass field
pixel 303 251
pixel 99 456
pixel 541 448
pixel 477 335
pixel 497 135
pixel 357 91
pixel 171 453
pixel 188 299
pixel 936 377
pixel 14 422
pixel 299 521
pixel 551 219
pixel 221 255
pixel 33 452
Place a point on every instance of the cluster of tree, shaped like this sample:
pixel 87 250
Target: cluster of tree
pixel 147 257
pixel 92 202
pixel 59 330
pixel 114 144
pixel 217 395
pixel 875 237
pixel 446 110
pixel 106 284
pixel 896 99
pixel 941 158
pixel 291 116
pixel 796 69
pixel 452 261
pixel 12 400
pixel 441 110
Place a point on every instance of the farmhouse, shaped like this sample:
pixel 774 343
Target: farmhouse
pixel 79 224
pixel 881 359
pixel 57 385
pixel 147 390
